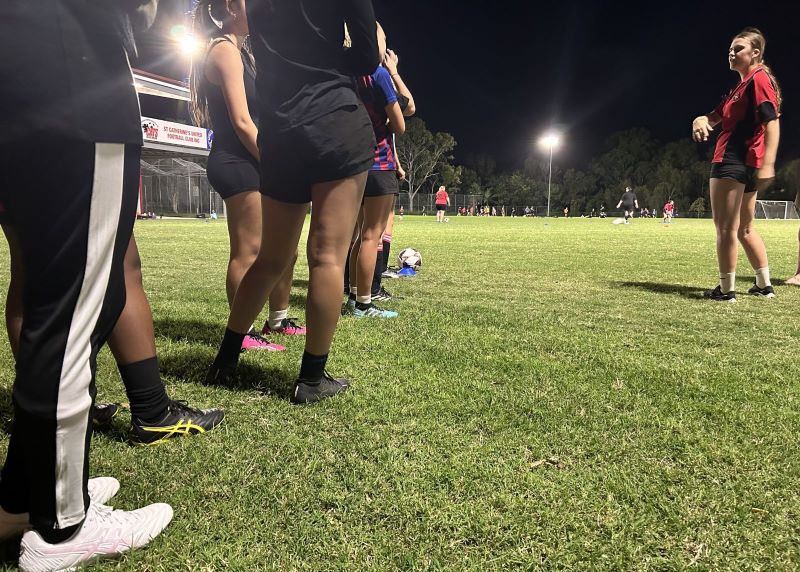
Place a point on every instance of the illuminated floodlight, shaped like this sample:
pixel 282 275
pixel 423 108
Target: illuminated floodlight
pixel 189 45
pixel 550 141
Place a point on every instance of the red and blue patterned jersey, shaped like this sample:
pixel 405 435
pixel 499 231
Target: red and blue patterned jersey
pixel 377 91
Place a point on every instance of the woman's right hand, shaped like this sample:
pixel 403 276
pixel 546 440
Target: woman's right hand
pixel 701 129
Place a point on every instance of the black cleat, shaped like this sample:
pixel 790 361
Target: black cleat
pixel 102 414
pixel 220 374
pixel 305 391
pixel 179 420
pixel 383 295
pixel 765 292
pixel 718 295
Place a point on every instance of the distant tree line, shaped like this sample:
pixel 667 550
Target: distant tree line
pixel 656 171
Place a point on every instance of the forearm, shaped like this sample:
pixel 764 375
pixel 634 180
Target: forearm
pixel 247 132
pixel 772 135
pixel 403 90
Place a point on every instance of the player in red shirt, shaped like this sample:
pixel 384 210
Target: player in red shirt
pixel 744 161
pixel 669 208
pixel 442 202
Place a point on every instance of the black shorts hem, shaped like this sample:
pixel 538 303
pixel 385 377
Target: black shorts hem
pixel 441 208
pixel 381 184
pixel 736 172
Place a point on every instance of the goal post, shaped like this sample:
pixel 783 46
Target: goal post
pixel 776 210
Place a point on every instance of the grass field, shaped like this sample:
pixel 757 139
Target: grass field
pixel 553 396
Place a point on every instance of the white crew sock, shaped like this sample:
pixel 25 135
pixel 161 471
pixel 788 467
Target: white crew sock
pixel 276 318
pixel 364 299
pixel 354 290
pixel 727 282
pixel 762 277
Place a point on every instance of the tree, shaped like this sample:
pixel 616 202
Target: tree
pixel 424 155
pixel 698 206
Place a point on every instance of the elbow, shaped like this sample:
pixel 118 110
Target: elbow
pixel 243 125
pixel 410 109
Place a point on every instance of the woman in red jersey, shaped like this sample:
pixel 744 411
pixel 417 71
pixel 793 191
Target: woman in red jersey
pixel 744 161
pixel 442 202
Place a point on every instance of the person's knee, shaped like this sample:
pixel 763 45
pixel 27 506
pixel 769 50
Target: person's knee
pixel 744 232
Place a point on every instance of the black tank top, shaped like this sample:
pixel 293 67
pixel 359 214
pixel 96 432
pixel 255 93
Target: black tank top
pixel 225 137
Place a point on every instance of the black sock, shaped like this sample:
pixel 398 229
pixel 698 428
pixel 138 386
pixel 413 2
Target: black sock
pixel 387 246
pixel 229 349
pixel 347 270
pixel 312 367
pixel 146 392
pixel 362 305
pixel 59 535
pixel 376 276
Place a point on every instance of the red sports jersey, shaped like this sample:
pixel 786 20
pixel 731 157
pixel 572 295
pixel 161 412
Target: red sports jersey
pixel 744 112
pixel 441 197
pixel 668 208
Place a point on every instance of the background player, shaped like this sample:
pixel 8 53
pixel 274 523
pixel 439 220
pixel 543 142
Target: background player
pixel 442 202
pixel 628 202
pixel 669 208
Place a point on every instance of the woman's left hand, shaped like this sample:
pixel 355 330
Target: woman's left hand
pixel 391 61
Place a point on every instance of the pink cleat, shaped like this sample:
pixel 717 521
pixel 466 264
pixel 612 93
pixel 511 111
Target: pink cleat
pixel 288 327
pixel 254 341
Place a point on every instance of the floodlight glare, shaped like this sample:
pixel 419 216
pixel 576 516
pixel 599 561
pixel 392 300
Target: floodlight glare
pixel 550 141
pixel 189 45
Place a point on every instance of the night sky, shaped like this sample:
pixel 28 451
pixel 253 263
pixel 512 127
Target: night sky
pixel 497 73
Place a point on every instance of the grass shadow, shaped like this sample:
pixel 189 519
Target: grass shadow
pixel 191 367
pixel 195 331
pixel 299 283
pixel 660 288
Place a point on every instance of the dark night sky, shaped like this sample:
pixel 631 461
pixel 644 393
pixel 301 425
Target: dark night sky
pixel 497 73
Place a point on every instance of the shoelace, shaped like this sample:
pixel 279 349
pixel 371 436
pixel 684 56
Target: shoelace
pixel 258 337
pixel 182 408
pixel 289 323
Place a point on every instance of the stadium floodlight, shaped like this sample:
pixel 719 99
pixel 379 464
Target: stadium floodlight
pixel 550 142
pixel 186 42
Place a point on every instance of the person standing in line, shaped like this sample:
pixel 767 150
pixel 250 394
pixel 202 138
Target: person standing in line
pixel 628 202
pixel 223 93
pixel 377 91
pixel 743 163
pixel 315 145
pixel 51 105
pixel 442 202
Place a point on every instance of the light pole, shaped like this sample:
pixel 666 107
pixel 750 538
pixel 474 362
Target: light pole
pixel 550 141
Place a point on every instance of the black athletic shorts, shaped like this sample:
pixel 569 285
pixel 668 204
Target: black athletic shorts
pixel 628 208
pixel 3 214
pixel 740 173
pixel 382 183
pixel 333 147
pixel 441 208
pixel 231 173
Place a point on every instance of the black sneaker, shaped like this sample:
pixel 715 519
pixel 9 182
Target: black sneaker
pixel 220 375
pixel 765 292
pixel 179 420
pixel 718 295
pixel 383 295
pixel 305 391
pixel 102 414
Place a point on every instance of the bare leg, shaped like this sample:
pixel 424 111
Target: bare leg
pixel 279 297
pixel 133 338
pixel 336 206
pixel 726 202
pixel 376 211
pixel 14 296
pixel 750 239
pixel 281 228
pixel 795 280
pixel 244 230
pixel 355 247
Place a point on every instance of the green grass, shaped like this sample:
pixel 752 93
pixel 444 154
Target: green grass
pixel 553 396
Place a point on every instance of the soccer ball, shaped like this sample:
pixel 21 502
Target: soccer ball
pixel 446 219
pixel 410 258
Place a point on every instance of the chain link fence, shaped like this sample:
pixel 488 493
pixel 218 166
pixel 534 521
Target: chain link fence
pixel 177 187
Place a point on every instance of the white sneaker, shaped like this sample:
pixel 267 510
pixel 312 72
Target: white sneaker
pixel 105 533
pixel 101 490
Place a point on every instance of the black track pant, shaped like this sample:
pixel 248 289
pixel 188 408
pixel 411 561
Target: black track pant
pixel 72 205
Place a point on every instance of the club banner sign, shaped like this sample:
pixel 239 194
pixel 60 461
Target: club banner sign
pixel 160 131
